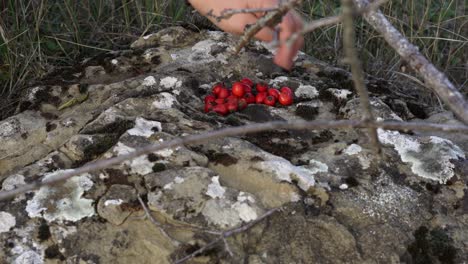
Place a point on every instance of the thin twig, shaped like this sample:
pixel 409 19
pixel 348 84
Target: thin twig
pixel 156 223
pixel 331 20
pixel 227 234
pixel 271 19
pixel 357 72
pixel 226 132
pixel 431 75
pixel 227 13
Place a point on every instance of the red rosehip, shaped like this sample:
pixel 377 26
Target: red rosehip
pixel 247 89
pixel 249 98
pixel 238 89
pixel 231 97
pixel 262 87
pixel 221 109
pixel 286 90
pixel 210 98
pixel 247 81
pixel 217 88
pixel 220 101
pixel 260 97
pixel 223 93
pixel 242 103
pixel 270 100
pixel 209 107
pixel 285 98
pixel 232 106
pixel 273 92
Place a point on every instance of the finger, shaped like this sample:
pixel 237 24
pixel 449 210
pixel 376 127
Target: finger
pixel 237 23
pixel 285 54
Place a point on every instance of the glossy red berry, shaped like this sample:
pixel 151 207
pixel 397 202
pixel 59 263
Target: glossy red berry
pixel 247 81
pixel 285 98
pixel 232 106
pixel 223 93
pixel 285 90
pixel 262 87
pixel 260 97
pixel 249 98
pixel 221 109
pixel 248 89
pixel 270 100
pixel 238 89
pixel 273 92
pixel 242 103
pixel 209 107
pixel 220 101
pixel 217 88
pixel 209 98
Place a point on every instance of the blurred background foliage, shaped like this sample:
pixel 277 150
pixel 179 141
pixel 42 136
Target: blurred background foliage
pixel 37 36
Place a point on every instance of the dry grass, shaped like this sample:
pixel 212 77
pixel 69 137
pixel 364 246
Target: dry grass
pixel 36 36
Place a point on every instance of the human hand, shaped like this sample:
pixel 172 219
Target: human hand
pixel 235 24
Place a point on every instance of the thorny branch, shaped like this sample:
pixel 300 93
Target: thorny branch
pixel 356 70
pixel 226 132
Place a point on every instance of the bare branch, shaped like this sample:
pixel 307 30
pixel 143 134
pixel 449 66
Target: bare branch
pixel 227 234
pixel 431 75
pixel 331 20
pixel 271 19
pixel 226 132
pixel 227 13
pixel 156 223
pixel 356 70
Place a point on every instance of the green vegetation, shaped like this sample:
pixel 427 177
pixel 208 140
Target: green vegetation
pixel 37 36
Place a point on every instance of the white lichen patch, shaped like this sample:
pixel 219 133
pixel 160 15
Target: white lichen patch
pixel 306 92
pixel 60 203
pixel 317 166
pixel 220 213
pixel 12 182
pixel 170 82
pixel 216 35
pixel 215 190
pixel 141 165
pixel 340 94
pixel 7 221
pixel 388 200
pixel 113 202
pixel 246 213
pixel 149 81
pixel 245 197
pixel 278 80
pixel 114 61
pixel 9 127
pixel 204 46
pixel 164 101
pixel 29 257
pixel 352 149
pixel 144 127
pixel 429 159
pixel 283 170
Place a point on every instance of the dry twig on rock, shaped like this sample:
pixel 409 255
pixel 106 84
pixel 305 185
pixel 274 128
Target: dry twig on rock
pixel 225 234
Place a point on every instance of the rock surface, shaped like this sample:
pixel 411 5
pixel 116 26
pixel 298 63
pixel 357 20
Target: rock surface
pixel 341 203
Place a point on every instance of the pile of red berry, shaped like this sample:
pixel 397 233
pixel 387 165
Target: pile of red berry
pixel 224 101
